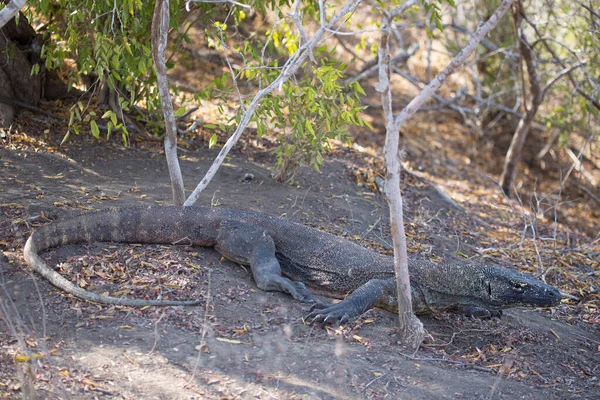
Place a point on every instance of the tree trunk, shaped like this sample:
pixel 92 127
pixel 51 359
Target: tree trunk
pixel 514 151
pixel 160 28
pixel 411 329
pixel 537 96
pixel 20 49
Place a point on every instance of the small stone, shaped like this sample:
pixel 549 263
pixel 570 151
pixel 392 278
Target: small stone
pixel 248 177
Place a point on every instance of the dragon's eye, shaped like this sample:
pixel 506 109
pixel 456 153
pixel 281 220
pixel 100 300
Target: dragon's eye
pixel 518 286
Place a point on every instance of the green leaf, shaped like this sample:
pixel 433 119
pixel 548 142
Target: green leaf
pixel 66 137
pixel 309 127
pixel 212 141
pixel 356 88
pixel 95 129
pixel 260 129
pixel 180 111
pixel 35 69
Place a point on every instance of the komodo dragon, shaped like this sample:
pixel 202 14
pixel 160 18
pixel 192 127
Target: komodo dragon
pixel 272 247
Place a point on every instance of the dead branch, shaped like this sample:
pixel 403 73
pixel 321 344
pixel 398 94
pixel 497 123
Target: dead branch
pixel 236 3
pixel 488 44
pixel 372 67
pixel 562 73
pixel 349 50
pixel 579 90
pixel 400 10
pixel 460 58
pixel 577 164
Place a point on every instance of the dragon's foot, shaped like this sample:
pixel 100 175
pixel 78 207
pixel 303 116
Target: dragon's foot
pixel 331 314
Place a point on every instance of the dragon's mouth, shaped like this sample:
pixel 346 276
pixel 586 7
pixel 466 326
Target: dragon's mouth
pixel 547 298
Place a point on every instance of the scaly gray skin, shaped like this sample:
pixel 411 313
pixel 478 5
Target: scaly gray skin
pixel 284 256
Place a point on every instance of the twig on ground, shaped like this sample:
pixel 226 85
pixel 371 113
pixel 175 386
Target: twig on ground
pixel 457 363
pixel 156 334
pixel 200 347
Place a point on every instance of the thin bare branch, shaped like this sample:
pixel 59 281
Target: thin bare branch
pixel 400 10
pixel 400 58
pixel 562 73
pixel 460 58
pixel 576 161
pixel 297 18
pixel 579 90
pixel 590 10
pixel 484 42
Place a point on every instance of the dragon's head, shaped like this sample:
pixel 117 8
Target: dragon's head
pixel 489 287
pixel 507 288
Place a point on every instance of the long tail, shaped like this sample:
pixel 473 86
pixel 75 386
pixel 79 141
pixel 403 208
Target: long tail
pixel 48 236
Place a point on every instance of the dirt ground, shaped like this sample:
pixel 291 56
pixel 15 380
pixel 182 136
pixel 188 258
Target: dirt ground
pixel 241 342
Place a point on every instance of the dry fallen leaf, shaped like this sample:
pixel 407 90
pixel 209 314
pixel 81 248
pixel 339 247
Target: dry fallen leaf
pixel 358 338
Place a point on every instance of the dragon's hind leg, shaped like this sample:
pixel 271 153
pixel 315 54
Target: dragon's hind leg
pixel 249 245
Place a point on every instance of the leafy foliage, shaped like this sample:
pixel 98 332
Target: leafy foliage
pixel 110 42
pixel 310 113
pixel 433 10
pixel 567 28
pixel 576 42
